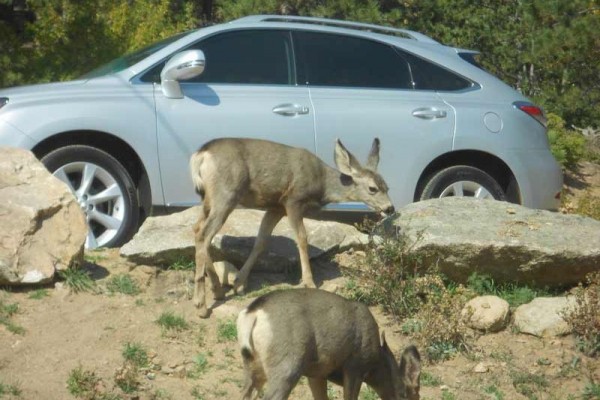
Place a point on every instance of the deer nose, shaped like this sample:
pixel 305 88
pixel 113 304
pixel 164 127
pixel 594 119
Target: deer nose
pixel 389 210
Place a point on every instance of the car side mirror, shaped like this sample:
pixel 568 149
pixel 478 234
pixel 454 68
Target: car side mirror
pixel 181 66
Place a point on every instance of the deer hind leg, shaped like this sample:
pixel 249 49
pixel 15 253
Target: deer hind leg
pixel 295 217
pixel 318 388
pixel 268 223
pixel 280 385
pixel 205 229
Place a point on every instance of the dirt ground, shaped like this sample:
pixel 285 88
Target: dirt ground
pixel 65 330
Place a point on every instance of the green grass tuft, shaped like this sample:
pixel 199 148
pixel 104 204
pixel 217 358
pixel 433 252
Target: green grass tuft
pixel 77 280
pixel 124 284
pixel 226 331
pixel 169 321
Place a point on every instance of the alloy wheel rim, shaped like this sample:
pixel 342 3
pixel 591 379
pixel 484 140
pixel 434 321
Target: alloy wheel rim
pixel 466 189
pixel 100 198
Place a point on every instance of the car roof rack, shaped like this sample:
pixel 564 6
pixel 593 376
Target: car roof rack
pixel 338 23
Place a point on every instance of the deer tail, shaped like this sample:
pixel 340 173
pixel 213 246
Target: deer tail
pixel 195 164
pixel 245 325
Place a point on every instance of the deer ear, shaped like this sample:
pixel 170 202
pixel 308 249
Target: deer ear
pixel 373 159
pixel 345 161
pixel 410 367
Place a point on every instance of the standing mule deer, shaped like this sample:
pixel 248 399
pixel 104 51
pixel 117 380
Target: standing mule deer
pixel 280 179
pixel 287 334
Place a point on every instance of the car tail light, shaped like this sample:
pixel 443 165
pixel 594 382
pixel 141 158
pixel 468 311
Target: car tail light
pixel 533 111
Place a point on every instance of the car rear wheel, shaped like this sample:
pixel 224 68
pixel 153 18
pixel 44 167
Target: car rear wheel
pixel 462 180
pixel 104 190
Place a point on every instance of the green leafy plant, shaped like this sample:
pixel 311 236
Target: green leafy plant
pixel 591 391
pixel 136 354
pixel 514 294
pixel 568 146
pixel 39 294
pixel 226 331
pixel 182 264
pixel 83 384
pixel 9 390
pixel 199 367
pixel 7 310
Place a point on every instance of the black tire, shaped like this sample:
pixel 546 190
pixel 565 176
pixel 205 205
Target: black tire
pixel 441 183
pixel 123 211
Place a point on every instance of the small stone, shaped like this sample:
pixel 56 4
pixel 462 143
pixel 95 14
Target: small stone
pixel 486 313
pixel 151 376
pixel 481 368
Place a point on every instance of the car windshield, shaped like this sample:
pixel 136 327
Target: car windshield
pixel 126 61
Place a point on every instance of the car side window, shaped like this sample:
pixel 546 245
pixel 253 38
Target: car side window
pixel 429 76
pixel 336 60
pixel 247 57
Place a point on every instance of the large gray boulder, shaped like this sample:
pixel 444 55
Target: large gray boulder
pixel 42 227
pixel 506 241
pixel 166 239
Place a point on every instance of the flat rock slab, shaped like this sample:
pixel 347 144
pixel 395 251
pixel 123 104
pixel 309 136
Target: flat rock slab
pixel 167 239
pixel 508 242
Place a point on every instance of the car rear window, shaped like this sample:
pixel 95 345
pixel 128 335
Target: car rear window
pixel 430 76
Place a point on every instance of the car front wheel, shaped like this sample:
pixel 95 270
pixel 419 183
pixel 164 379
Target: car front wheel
pixel 462 180
pixel 104 190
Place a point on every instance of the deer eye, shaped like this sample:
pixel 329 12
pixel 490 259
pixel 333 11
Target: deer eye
pixel 373 189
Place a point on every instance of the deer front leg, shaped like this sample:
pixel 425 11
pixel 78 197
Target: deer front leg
pixel 295 218
pixel 268 223
pixel 352 385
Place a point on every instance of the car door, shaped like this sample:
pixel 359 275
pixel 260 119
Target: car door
pixel 361 89
pixel 248 89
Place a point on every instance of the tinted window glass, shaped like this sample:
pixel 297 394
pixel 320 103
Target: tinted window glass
pixel 254 56
pixel 429 76
pixel 335 60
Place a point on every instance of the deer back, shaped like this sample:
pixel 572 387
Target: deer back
pixel 264 173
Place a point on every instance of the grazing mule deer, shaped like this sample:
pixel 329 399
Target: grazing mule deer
pixel 287 334
pixel 280 179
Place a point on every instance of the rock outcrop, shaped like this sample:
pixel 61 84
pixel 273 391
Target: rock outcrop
pixel 42 227
pixel 508 242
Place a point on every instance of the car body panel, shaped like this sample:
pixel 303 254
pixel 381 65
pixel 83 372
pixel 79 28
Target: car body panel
pixel 211 111
pixel 408 143
pixel 165 132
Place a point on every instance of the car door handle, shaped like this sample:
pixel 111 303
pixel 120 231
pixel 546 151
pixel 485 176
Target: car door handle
pixel 290 110
pixel 429 113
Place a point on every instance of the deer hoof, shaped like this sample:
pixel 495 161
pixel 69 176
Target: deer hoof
pixel 239 290
pixel 203 312
pixel 219 294
pixel 309 285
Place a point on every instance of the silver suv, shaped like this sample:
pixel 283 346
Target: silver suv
pixel 122 135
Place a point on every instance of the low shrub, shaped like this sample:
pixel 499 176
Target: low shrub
pixel 584 318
